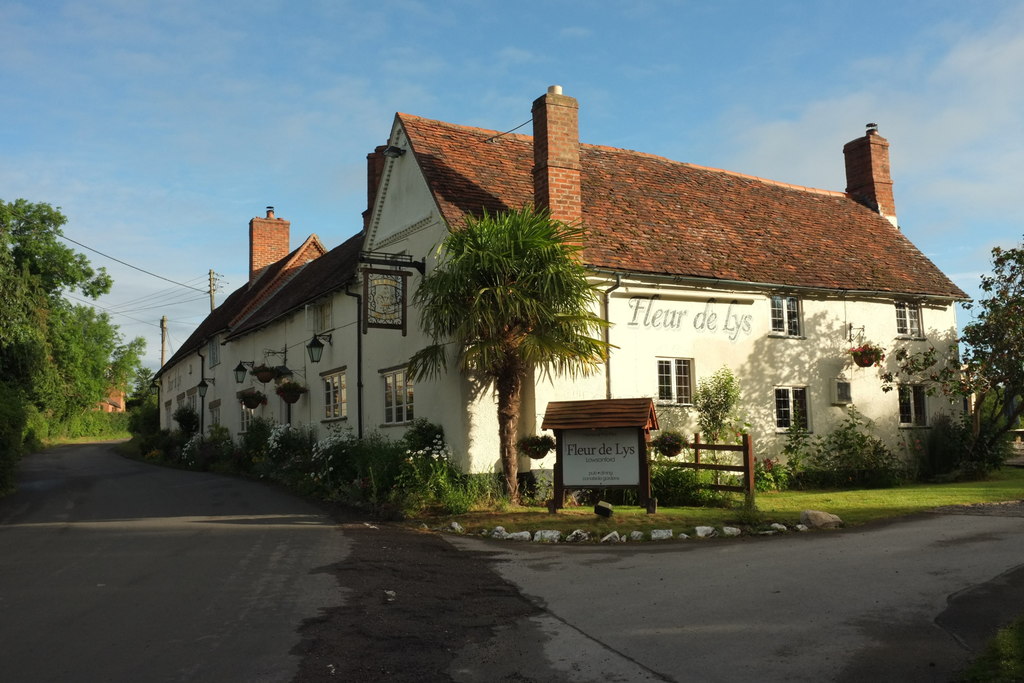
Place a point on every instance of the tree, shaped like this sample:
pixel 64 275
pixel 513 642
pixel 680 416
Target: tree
pixel 62 357
pixel 510 295
pixel 715 400
pixel 988 367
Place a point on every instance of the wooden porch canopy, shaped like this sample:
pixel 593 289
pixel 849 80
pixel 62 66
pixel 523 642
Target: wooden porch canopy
pixel 601 414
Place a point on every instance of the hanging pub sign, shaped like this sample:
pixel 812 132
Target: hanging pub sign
pixel 384 299
pixel 602 444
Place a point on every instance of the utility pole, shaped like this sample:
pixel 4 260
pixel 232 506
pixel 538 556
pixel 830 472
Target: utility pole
pixel 163 340
pixel 212 305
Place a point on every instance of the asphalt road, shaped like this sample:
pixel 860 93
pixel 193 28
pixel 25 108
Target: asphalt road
pixel 113 570
pixel 914 600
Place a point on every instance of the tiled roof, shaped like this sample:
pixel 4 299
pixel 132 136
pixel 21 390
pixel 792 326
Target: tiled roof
pixel 249 302
pixel 326 274
pixel 650 215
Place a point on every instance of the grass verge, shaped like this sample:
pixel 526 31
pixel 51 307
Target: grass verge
pixel 1003 660
pixel 854 507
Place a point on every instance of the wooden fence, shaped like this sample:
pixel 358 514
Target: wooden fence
pixel 746 469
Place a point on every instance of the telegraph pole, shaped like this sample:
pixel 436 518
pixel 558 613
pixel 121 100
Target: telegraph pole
pixel 212 305
pixel 163 340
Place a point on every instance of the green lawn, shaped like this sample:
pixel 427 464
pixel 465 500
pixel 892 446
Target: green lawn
pixel 854 507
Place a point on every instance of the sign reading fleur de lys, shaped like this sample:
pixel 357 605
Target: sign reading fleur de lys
pixel 600 458
pixel 602 444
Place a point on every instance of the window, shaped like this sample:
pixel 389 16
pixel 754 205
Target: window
pixel 786 315
pixel 246 416
pixel 398 405
pixel 913 406
pixel 335 395
pixel 212 353
pixel 675 380
pixel 842 392
pixel 908 319
pixel 322 317
pixel 215 414
pixel 790 406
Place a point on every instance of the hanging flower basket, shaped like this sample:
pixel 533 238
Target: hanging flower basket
pixel 867 355
pixel 290 392
pixel 264 373
pixel 252 399
pixel 669 444
pixel 536 447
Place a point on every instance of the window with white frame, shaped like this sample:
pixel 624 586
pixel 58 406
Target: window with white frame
pixel 215 414
pixel 786 315
pixel 791 407
pixel 246 416
pixel 335 395
pixel 398 396
pixel 908 319
pixel 913 405
pixel 675 380
pixel 212 353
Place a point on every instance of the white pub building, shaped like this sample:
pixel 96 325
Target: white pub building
pixel 700 269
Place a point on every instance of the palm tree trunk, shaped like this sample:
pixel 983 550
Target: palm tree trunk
pixel 510 387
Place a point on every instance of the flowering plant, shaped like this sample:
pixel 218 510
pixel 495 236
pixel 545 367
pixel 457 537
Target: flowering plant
pixel 867 354
pixel 252 398
pixel 264 372
pixel 290 391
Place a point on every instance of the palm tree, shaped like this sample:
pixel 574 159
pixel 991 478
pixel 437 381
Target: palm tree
pixel 509 296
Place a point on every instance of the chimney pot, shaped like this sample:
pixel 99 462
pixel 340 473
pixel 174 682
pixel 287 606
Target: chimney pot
pixel 554 89
pixel 270 212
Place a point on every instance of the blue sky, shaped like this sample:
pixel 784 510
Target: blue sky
pixel 160 129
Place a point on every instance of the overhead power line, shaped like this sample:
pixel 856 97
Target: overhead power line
pixel 107 310
pixel 123 263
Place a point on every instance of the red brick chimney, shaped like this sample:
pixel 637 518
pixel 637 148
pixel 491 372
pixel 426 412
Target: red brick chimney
pixel 374 170
pixel 867 173
pixel 268 242
pixel 556 155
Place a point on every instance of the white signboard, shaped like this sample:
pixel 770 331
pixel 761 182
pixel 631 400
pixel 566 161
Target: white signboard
pixel 594 458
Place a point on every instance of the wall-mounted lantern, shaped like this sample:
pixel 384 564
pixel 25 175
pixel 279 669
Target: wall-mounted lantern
pixel 204 386
pixel 240 370
pixel 315 347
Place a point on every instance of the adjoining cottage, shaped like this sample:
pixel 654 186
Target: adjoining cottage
pixel 701 268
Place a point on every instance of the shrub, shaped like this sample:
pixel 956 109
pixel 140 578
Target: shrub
pixel 676 486
pixel 187 419
pixel 715 400
pixel 770 475
pixel 12 428
pixel 848 457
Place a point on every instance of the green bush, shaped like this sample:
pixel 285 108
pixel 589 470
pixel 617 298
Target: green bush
pixel 770 475
pixel 187 419
pixel 849 457
pixel 676 486
pixel 13 419
pixel 37 429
